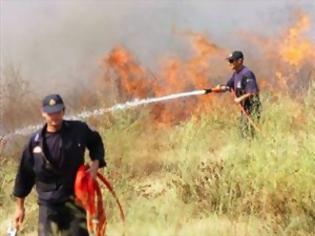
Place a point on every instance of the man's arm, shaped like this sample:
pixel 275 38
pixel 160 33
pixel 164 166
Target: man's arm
pixel 24 182
pixel 243 97
pixel 220 88
pixel 25 177
pixel 96 150
pixel 19 212
pixel 94 168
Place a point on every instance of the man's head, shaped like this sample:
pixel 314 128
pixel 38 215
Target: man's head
pixel 236 60
pixel 53 110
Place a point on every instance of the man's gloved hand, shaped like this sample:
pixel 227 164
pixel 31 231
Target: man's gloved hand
pixel 217 89
pixel 220 88
pixel 209 90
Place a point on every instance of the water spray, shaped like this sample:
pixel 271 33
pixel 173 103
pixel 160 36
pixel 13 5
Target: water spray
pixel 120 106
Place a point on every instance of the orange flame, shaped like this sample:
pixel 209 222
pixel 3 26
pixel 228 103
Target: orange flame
pixel 295 47
pixel 288 57
pixel 180 76
pixel 285 56
pixel 133 81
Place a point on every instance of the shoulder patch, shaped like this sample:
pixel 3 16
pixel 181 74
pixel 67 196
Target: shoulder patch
pixel 36 138
pixel 37 149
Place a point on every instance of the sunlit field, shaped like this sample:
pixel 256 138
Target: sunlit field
pixel 200 177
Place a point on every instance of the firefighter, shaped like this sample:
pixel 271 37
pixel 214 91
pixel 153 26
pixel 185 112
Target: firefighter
pixel 50 161
pixel 244 85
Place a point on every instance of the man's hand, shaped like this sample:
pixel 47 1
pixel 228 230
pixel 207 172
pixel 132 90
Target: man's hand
pixel 220 88
pixel 217 89
pixel 238 100
pixel 19 217
pixel 209 90
pixel 19 213
pixel 241 98
pixel 93 168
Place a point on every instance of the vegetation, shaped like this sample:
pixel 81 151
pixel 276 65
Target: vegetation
pixel 199 177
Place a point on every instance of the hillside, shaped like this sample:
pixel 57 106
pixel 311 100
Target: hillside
pixel 199 177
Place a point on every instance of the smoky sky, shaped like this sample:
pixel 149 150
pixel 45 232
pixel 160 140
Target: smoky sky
pixel 57 44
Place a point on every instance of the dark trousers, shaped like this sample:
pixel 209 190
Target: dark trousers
pixel 62 220
pixel 247 130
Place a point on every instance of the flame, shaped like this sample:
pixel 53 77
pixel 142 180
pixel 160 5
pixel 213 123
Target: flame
pixel 178 76
pixel 295 47
pixel 285 55
pixel 288 56
pixel 282 82
pixel 132 80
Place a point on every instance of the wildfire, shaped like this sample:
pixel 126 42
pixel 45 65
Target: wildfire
pixel 285 56
pixel 295 47
pixel 177 76
pixel 289 57
pixel 132 80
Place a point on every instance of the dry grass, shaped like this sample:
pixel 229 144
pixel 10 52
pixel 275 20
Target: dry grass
pixel 201 178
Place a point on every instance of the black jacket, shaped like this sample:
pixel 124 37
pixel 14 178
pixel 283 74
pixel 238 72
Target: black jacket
pixel 55 184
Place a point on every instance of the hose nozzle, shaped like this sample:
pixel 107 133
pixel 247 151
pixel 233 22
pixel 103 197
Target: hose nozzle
pixel 209 90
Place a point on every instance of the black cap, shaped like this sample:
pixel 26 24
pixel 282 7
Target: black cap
pixel 235 56
pixel 53 103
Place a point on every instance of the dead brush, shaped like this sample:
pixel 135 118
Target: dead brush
pixel 207 183
pixel 183 189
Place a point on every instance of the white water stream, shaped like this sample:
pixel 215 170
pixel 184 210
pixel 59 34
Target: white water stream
pixel 120 106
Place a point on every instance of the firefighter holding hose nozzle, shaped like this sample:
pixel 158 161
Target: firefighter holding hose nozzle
pixel 244 86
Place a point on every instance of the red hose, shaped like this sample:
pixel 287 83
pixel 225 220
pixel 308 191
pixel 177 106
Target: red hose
pixel 88 194
pixel 247 114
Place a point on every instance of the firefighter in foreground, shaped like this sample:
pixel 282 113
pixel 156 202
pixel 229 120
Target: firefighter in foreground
pixel 246 92
pixel 50 161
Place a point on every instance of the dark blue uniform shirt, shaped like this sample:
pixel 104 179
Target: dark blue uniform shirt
pixel 51 163
pixel 53 143
pixel 243 82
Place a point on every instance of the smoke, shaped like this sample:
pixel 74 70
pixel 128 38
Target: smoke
pixel 59 43
pixel 60 46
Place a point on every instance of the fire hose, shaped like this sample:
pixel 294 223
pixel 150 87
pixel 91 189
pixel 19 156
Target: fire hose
pixel 247 115
pixel 88 194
